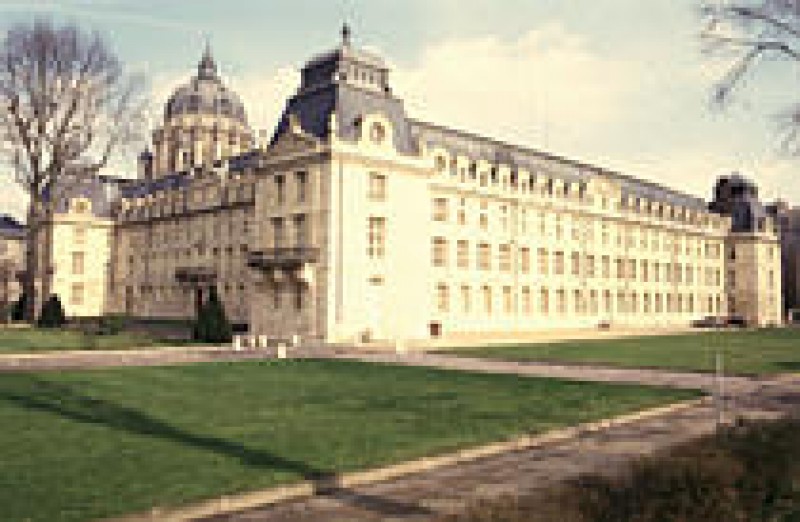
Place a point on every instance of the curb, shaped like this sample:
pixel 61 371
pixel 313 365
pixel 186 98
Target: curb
pixel 46 354
pixel 307 488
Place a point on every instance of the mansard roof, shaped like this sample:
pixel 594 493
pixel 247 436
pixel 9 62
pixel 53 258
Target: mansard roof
pixel 536 161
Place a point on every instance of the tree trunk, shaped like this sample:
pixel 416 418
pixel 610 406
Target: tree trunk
pixel 31 261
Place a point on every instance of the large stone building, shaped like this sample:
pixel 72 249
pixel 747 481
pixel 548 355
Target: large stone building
pixel 357 221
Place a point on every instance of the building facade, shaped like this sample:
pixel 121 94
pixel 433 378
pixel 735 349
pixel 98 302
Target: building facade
pixel 788 219
pixel 358 222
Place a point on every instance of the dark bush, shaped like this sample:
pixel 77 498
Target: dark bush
pixel 211 324
pixel 750 472
pixel 52 315
pixel 112 324
pixel 18 309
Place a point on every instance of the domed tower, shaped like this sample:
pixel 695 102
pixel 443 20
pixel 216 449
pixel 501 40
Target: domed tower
pixel 204 121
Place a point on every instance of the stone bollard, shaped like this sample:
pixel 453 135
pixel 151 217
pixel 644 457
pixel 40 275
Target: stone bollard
pixel 263 341
pixel 295 341
pixel 281 351
pixel 237 342
pixel 400 347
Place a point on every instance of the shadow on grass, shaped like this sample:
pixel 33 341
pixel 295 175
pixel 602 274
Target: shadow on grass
pixel 63 400
pixel 789 366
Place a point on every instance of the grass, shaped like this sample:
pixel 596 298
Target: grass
pixel 90 444
pixel 17 340
pixel 765 351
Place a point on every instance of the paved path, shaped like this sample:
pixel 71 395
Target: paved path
pixel 425 495
pixel 655 377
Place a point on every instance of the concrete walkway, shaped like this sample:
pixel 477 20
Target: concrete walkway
pixel 449 489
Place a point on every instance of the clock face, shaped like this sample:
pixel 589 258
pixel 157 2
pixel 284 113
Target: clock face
pixel 377 133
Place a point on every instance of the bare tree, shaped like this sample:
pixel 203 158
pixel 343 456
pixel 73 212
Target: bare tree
pixel 66 107
pixel 748 32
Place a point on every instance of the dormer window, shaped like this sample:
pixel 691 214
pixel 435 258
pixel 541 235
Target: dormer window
pixel 377 133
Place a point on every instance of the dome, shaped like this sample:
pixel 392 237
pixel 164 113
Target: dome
pixel 205 94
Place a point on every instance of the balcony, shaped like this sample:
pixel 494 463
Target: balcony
pixel 282 258
pixel 195 275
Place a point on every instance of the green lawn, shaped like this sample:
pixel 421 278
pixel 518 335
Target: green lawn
pixel 83 445
pixel 752 351
pixel 17 340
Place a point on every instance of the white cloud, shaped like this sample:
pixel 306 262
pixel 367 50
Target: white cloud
pixel 519 89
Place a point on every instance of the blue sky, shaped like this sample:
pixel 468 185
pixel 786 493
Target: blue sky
pixel 619 83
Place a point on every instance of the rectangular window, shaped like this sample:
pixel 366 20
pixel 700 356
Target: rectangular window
pixel 462 253
pixel 439 251
pixel 76 297
pixel 377 187
pixel 590 269
pixel 280 195
pixel 558 263
pixel 508 300
pixel 525 260
pixel 505 258
pixel 576 263
pixel 543 261
pixel 440 209
pixel 544 301
pixel 484 256
pixel 80 234
pixel 278 234
pixel 526 300
pixel 465 299
pixel 300 230
pixel 302 186
pixel 561 302
pixel 77 263
pixel 376 238
pixel 442 298
pixel 487 300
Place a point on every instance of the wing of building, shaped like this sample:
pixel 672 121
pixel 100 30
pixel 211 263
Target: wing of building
pixel 359 222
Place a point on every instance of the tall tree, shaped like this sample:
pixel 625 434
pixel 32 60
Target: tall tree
pixel 748 32
pixel 66 107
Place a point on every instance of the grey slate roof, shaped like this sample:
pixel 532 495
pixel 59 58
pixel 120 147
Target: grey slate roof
pixel 206 94
pixel 11 228
pixel 479 147
pixel 101 190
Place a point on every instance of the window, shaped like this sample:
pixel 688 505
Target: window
pixel 277 232
pixel 76 297
pixel 543 261
pixel 561 302
pixel 377 187
pixel 377 132
pixel 525 260
pixel 505 258
pixel 487 299
pixel 590 270
pixel 376 238
pixel 299 289
pixel 80 234
pixel 300 230
pixel 302 186
pixel 279 189
pixel 508 300
pixel 77 263
pixel 439 251
pixel 526 300
pixel 544 301
pixel 440 209
pixel 461 215
pixel 576 263
pixel 558 263
pixel 462 253
pixel 465 299
pixel 484 256
pixel 442 297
